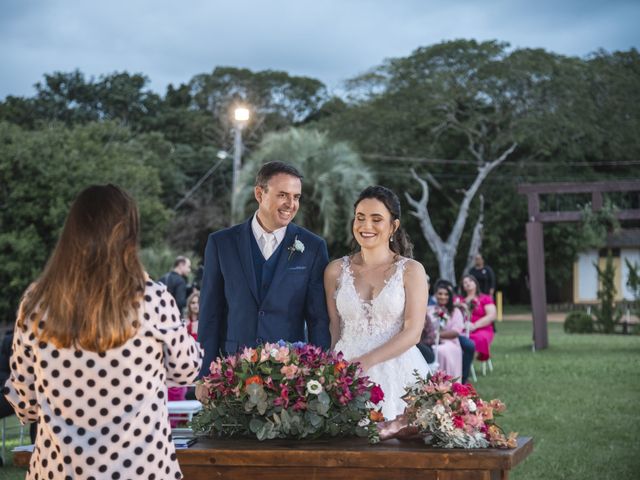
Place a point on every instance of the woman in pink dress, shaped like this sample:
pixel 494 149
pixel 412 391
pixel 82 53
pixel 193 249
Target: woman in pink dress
pixel 483 314
pixel 450 321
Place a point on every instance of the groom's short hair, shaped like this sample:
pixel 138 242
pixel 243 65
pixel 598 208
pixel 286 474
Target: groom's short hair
pixel 271 169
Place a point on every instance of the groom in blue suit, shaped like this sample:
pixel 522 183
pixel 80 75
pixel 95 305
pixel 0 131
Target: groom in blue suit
pixel 263 279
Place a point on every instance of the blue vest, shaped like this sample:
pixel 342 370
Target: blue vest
pixel 264 268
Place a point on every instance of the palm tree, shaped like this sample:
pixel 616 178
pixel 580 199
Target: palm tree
pixel 333 173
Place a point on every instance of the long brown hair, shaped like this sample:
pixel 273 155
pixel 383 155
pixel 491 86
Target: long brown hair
pixel 91 287
pixel 400 244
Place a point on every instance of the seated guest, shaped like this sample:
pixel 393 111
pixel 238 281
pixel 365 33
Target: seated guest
pixel 450 321
pixel 191 321
pixel 427 340
pixel 95 341
pixel 482 313
pixel 467 345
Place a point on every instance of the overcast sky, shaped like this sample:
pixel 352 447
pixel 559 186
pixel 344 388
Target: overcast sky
pixel 170 41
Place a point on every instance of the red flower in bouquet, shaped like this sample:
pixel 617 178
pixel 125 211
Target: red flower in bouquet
pixel 377 395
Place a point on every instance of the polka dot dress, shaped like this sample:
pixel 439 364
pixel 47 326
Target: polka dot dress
pixel 104 415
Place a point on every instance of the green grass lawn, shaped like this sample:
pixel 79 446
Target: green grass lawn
pixel 578 399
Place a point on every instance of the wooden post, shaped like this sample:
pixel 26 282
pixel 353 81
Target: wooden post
pixel 535 254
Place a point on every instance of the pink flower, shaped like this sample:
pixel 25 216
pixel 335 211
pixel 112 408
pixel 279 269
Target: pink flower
pixel 283 399
pixel 249 354
pixel 462 390
pixel 289 371
pixel 264 355
pixel 300 405
pixel 377 395
pixel 282 355
pixel 458 422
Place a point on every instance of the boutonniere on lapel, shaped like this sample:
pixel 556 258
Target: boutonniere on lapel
pixel 297 246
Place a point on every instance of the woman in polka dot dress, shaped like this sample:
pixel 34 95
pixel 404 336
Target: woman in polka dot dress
pixel 95 342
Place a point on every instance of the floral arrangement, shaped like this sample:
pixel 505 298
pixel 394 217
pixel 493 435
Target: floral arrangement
pixel 443 316
pixel 282 390
pixel 448 414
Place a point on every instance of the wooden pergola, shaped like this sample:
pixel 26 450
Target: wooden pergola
pixel 535 242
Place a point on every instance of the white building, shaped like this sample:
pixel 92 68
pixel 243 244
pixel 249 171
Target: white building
pixel 624 245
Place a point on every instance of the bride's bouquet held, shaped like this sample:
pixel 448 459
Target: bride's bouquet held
pixel 448 414
pixel 282 390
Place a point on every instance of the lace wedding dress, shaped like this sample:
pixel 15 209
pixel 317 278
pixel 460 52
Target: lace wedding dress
pixel 365 326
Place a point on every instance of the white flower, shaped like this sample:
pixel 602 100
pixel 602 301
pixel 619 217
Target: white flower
pixel 472 406
pixel 297 246
pixel 274 352
pixel 314 387
pixel 364 422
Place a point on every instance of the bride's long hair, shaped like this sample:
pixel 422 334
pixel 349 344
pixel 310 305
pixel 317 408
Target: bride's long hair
pixel 399 243
pixel 91 288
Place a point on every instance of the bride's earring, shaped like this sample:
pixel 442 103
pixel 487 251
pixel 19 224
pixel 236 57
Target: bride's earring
pixel 390 239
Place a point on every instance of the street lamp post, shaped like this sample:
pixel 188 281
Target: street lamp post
pixel 241 117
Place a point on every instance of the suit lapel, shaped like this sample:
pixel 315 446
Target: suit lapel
pixel 246 257
pixel 281 267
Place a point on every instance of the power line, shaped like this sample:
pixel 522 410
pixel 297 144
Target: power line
pixel 441 161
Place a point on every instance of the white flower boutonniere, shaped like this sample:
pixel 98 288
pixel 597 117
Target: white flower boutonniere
pixel 297 246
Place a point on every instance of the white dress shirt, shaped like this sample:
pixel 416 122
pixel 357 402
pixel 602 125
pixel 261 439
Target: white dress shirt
pixel 267 241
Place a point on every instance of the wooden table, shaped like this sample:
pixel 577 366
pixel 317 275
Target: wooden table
pixel 351 459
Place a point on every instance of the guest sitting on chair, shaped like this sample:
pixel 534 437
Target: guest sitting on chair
pixel 94 343
pixel 450 321
pixel 482 312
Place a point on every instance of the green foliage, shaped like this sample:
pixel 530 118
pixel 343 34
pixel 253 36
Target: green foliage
pixel 607 315
pixel 578 322
pixel 158 259
pixel 44 170
pixel 633 282
pixel 596 225
pixel 429 110
pixel 333 174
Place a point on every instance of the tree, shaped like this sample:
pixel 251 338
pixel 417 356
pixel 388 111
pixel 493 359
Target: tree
pixel 607 315
pixel 334 175
pixel 443 107
pixel 42 171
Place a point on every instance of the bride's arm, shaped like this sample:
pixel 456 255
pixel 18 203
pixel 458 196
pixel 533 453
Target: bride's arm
pixel 331 274
pixel 416 289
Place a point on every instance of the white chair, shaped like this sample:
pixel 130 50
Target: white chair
pixel 484 363
pixel 180 408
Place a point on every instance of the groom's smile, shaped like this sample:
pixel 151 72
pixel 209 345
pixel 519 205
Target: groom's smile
pixel 278 203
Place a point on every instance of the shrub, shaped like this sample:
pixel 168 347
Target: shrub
pixel 578 322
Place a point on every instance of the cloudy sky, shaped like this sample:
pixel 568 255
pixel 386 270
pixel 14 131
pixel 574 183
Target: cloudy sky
pixel 171 41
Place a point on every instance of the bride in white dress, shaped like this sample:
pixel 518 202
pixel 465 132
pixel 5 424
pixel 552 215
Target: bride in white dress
pixel 377 299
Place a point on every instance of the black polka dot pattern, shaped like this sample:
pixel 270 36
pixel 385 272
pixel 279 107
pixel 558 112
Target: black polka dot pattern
pixel 104 415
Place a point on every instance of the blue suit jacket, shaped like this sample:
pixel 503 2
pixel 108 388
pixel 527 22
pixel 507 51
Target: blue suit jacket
pixel 231 313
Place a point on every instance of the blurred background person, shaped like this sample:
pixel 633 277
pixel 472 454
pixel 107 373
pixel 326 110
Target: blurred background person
pixel 94 344
pixel 176 281
pixel 485 276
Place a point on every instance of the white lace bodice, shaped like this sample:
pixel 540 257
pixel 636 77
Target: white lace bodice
pixel 366 325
